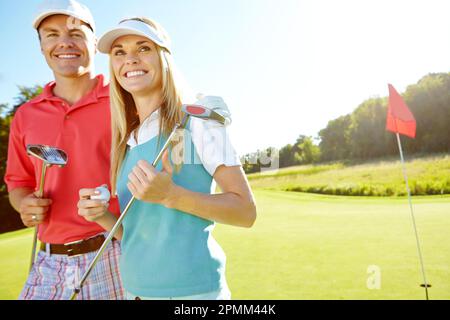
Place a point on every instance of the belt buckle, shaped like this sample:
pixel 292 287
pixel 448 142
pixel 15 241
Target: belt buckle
pixel 70 249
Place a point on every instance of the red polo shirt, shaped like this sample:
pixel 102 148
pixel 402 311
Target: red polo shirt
pixel 83 131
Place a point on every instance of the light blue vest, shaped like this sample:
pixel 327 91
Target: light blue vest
pixel 167 252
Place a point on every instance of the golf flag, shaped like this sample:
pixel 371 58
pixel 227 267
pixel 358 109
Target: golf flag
pixel 399 117
pixel 401 121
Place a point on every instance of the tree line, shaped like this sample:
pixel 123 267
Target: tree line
pixel 9 219
pixel 361 135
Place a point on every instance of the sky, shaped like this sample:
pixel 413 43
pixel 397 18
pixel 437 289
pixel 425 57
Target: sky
pixel 284 68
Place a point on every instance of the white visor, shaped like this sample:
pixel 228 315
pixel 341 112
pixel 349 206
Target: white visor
pixel 132 27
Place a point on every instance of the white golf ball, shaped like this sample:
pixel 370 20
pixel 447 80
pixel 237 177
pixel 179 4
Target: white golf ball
pixel 104 195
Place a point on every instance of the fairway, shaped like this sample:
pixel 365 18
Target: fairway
pixel 305 246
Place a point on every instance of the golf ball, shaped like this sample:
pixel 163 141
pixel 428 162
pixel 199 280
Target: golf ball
pixel 104 195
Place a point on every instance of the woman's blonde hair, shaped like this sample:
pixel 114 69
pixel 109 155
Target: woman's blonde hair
pixel 124 117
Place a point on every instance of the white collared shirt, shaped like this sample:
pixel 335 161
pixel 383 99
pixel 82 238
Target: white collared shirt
pixel 210 139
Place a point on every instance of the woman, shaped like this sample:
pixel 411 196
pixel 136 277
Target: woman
pixel 168 251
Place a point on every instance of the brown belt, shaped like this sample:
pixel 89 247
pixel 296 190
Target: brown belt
pixel 77 247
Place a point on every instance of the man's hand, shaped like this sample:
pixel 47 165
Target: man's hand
pixel 33 210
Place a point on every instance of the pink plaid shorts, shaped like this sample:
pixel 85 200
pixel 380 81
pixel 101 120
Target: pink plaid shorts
pixel 53 277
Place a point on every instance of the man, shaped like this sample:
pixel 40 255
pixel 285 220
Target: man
pixel 72 114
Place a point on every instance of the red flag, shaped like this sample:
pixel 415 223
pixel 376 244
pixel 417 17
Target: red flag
pixel 399 117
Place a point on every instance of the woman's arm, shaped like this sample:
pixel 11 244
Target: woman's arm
pixel 235 206
pixel 107 222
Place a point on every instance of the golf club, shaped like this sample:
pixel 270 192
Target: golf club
pixel 189 111
pixel 203 113
pixel 50 156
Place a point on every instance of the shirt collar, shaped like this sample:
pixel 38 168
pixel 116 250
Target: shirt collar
pixel 47 93
pixel 146 131
pixel 101 90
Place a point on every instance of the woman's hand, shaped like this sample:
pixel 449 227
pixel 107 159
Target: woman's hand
pixel 147 184
pixel 91 210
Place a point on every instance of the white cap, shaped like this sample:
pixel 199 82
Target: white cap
pixel 67 7
pixel 133 27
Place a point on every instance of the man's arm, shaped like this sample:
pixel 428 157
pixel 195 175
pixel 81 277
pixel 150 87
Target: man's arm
pixel 17 195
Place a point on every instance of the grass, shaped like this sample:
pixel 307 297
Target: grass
pixel 382 178
pixel 15 252
pixel 307 246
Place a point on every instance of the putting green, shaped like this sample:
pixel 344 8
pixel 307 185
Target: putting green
pixel 305 246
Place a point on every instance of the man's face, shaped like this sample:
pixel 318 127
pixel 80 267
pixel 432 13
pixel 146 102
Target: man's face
pixel 68 45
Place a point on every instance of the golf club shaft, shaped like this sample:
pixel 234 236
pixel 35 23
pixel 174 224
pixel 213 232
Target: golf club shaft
pixel 122 216
pixel 100 251
pixel 33 248
pixel 419 251
pixel 40 194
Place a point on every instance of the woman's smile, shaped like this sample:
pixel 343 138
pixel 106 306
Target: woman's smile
pixel 135 73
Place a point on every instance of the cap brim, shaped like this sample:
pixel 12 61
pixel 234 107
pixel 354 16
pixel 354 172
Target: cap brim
pixel 106 41
pixel 47 14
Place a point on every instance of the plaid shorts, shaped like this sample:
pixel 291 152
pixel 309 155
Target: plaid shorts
pixel 53 277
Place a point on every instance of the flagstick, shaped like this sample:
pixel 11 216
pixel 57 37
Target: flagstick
pixel 412 214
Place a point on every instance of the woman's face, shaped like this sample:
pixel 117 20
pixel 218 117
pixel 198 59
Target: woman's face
pixel 136 64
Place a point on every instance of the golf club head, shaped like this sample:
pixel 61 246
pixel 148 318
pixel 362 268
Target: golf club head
pixel 50 155
pixel 216 104
pixel 202 112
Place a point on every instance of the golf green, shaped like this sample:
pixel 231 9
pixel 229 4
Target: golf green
pixel 305 246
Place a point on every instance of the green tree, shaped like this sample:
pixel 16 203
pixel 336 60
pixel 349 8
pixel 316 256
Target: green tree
pixel 25 95
pixel 286 158
pixel 334 141
pixel 429 101
pixel 311 151
pixel 367 134
pixel 10 219
pixel 305 151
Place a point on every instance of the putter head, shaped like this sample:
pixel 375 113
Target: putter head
pixel 50 155
pixel 197 111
